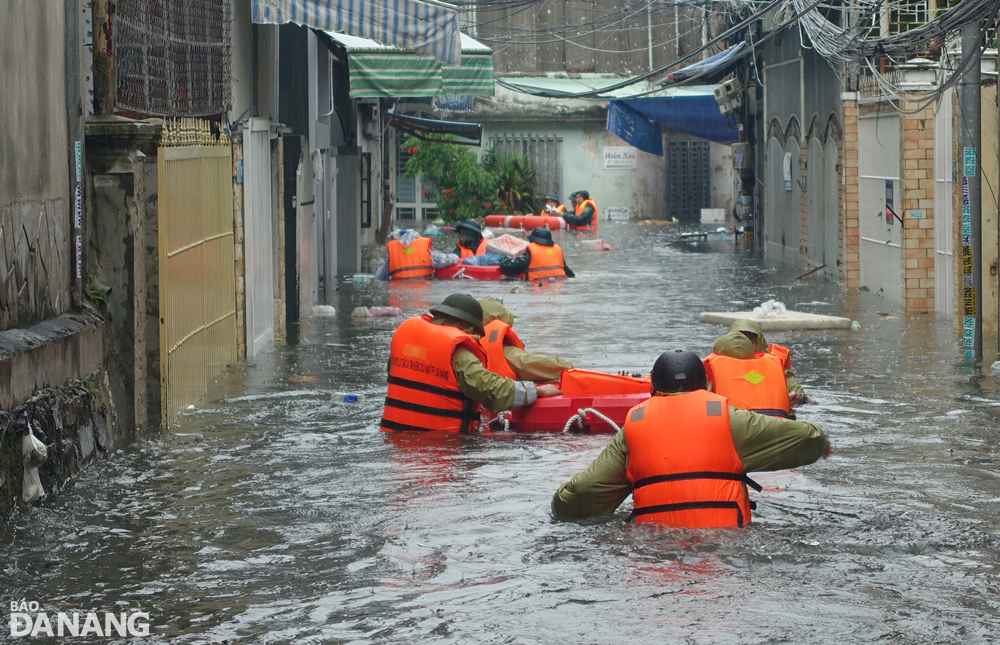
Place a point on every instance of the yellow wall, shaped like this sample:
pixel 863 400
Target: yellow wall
pixel 991 225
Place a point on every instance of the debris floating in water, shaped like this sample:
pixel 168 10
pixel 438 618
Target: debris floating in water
pixel 324 310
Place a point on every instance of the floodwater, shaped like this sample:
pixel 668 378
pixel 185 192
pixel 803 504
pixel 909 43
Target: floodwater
pixel 270 515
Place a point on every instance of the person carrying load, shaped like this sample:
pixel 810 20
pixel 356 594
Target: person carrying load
pixel 543 259
pixel 584 217
pixel 411 256
pixel 683 455
pixel 470 240
pixel 437 374
pixel 732 345
pixel 505 352
pixel 551 206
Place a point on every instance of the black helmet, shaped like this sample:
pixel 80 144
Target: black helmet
pixel 464 307
pixel 471 225
pixel 551 196
pixel 678 371
pixel 583 194
pixel 541 236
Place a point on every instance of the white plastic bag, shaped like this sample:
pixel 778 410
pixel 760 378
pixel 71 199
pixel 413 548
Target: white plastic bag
pixel 33 455
pixel 770 309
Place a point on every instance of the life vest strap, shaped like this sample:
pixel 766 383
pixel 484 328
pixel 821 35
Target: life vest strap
pixel 397 426
pixel 771 412
pixel 423 409
pixel 686 506
pixel 739 477
pixel 416 267
pixel 424 387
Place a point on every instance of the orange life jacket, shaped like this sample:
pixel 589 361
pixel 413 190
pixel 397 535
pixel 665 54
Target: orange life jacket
pixel 782 353
pixel 579 211
pixel 576 382
pixel 412 261
pixel 497 334
pixel 756 384
pixel 468 253
pixel 682 463
pixel 423 390
pixel 545 262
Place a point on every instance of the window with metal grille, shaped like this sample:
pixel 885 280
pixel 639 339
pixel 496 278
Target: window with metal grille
pixel 688 179
pixel 173 57
pixel 412 196
pixel 544 153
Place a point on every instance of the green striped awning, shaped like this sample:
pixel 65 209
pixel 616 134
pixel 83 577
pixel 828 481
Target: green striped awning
pixel 378 70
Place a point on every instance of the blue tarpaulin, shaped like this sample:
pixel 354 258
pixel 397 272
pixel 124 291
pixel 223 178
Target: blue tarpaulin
pixel 721 63
pixel 637 121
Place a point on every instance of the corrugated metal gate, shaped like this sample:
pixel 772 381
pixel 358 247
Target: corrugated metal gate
pixel 197 272
pixel 688 179
pixel 257 236
pixel 878 181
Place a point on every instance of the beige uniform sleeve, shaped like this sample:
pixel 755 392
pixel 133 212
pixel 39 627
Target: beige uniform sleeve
pixel 598 490
pixel 771 443
pixel 529 366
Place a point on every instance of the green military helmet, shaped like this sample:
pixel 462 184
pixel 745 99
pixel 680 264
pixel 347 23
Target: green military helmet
pixel 463 307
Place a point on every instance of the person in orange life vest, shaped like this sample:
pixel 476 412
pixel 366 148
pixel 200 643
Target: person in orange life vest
pixel 470 239
pixel 750 380
pixel 552 207
pixel 437 373
pixel 543 259
pixel 411 256
pixel 505 352
pixel 584 217
pixel 727 345
pixel 683 455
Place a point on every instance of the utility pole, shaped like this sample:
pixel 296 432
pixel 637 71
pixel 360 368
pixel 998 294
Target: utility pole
pixel 972 220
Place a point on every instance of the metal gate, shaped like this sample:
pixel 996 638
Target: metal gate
pixel 881 252
pixel 688 179
pixel 945 271
pixel 197 271
pixel 257 236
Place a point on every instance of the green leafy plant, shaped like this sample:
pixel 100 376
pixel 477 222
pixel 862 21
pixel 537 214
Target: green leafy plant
pixel 467 188
pixel 516 190
pixel 96 292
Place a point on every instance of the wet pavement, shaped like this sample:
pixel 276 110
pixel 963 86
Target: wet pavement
pixel 271 515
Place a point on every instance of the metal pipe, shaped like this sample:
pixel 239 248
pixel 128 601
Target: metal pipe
pixel 972 301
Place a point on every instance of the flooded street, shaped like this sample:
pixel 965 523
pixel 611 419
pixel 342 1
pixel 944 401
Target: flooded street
pixel 271 515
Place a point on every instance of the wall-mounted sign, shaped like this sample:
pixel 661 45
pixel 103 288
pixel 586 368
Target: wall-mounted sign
pixel 786 171
pixel 620 157
pixel 969 161
pixel 78 207
pixel 890 210
pixel 915 214
pixel 618 213
pixel 78 153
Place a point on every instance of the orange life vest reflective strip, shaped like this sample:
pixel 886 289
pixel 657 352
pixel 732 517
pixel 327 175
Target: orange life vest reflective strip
pixel 756 384
pixel 783 354
pixel 423 389
pixel 576 382
pixel 682 463
pixel 497 334
pixel 412 261
pixel 468 253
pixel 545 262
pixel 579 211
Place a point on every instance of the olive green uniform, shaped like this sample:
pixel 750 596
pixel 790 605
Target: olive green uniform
pixel 762 443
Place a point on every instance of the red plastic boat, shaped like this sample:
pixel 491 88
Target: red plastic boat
pixel 612 395
pixel 471 271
